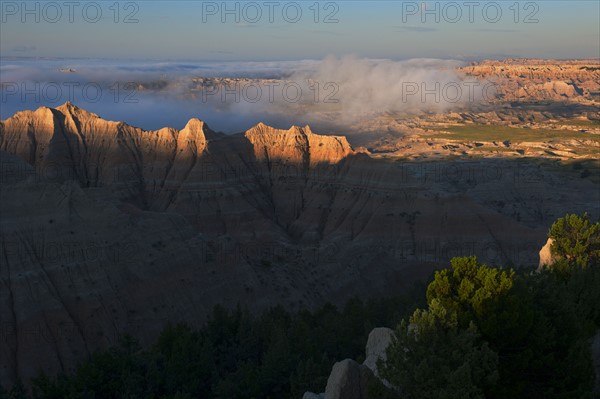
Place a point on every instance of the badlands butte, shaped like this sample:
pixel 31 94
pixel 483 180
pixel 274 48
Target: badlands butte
pixel 109 229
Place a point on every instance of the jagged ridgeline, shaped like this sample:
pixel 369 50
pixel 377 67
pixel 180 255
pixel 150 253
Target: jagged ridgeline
pixel 109 229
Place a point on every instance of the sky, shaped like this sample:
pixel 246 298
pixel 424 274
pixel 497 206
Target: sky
pixel 286 30
pixel 350 88
pixel 352 49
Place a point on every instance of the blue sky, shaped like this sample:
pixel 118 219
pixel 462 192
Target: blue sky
pixel 194 30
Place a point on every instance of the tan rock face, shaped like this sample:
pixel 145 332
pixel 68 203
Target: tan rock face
pixel 546 257
pixel 108 229
pixel 537 80
pixel 297 145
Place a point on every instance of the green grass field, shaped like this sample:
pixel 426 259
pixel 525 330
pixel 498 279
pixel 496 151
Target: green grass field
pixel 495 149
pixel 513 134
pixel 580 123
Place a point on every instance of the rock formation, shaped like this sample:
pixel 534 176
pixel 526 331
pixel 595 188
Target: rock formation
pixel 377 344
pixel 108 229
pixel 311 395
pixel 539 80
pixel 348 380
pixel 546 257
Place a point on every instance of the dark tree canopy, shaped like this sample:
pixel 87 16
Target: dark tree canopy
pixel 516 334
pixel 432 358
pixel 483 332
pixel 576 241
pixel 469 287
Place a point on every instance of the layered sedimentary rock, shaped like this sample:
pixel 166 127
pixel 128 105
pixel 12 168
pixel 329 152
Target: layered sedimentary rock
pixel 108 229
pixel 537 80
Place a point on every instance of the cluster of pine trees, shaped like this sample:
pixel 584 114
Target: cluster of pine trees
pixel 477 332
pixel 278 355
pixel 491 332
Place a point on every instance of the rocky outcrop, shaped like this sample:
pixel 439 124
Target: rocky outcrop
pixel 546 257
pixel 107 229
pixel 310 395
pixel 348 380
pixel 377 344
pixel 539 80
pixel 299 145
